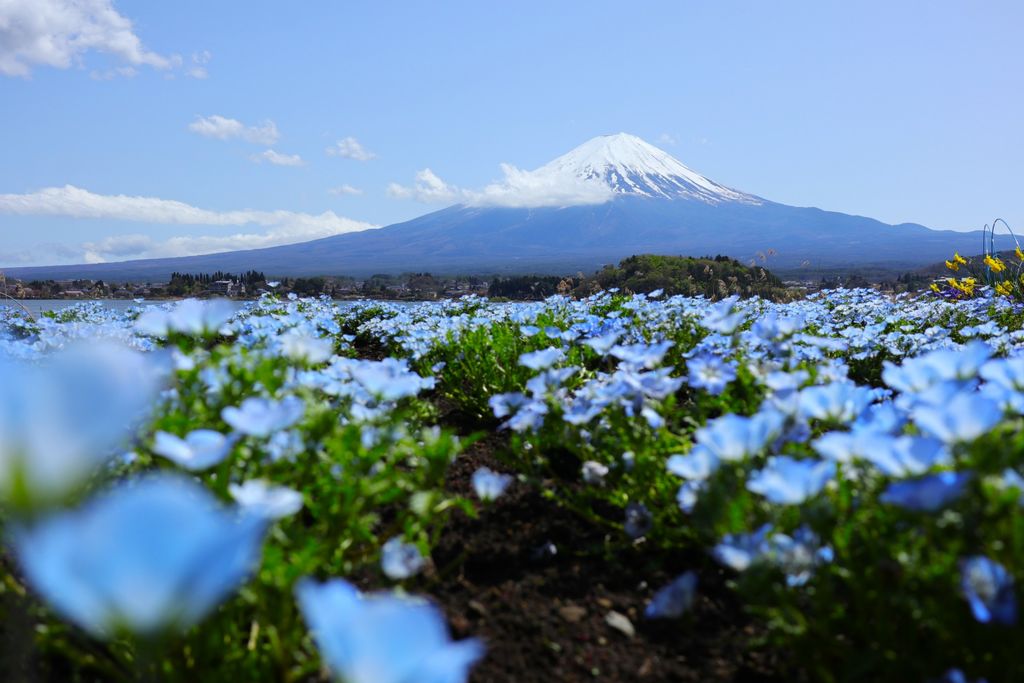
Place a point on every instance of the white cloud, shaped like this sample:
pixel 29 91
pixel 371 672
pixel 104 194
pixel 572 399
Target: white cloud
pixel 223 128
pixel 350 148
pixel 518 188
pixel 277 158
pixel 58 33
pixel 198 68
pixel 429 189
pixel 668 139
pixel 344 190
pixel 278 227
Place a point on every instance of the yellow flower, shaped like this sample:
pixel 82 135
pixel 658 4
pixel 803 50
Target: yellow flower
pixel 951 281
pixel 1020 254
pixel 952 265
pixel 958 258
pixel 994 263
pixel 935 288
pixel 1004 288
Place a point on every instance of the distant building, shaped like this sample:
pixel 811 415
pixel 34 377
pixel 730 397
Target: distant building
pixel 227 288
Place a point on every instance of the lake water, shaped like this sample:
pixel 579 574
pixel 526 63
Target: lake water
pixel 37 306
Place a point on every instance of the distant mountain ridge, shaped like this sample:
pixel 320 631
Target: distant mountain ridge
pixel 649 202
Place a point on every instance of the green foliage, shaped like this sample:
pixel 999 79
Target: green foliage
pixel 714 278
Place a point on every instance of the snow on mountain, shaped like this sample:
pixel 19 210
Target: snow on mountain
pixel 631 166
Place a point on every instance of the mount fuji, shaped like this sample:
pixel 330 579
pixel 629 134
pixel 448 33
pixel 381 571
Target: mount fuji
pixel 609 198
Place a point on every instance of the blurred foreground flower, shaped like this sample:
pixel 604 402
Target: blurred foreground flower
pixel 199 450
pixel 988 588
pixel 674 599
pixel 383 638
pixel 191 316
pixel 489 484
pixel 400 560
pixel 61 419
pixel 262 417
pixel 152 555
pixel 265 499
pixel 927 493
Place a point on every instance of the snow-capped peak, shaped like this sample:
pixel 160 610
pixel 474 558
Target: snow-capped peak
pixel 629 165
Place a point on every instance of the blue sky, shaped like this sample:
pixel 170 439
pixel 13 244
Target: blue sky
pixel 112 149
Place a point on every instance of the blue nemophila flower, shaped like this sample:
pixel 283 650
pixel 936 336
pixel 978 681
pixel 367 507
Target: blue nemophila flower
pixel 739 551
pixel 689 493
pixel 544 358
pixel 846 447
pixel 191 316
pixel 504 405
pixel 549 381
pixel 900 456
pixel 880 418
pixel 528 418
pixel 672 601
pixel 199 450
pixel 400 560
pixel 699 464
pixel 988 588
pixel 964 418
pixel 382 638
pixel 489 484
pixel 601 345
pixel 285 445
pixel 641 355
pixel 263 498
pixel 787 481
pixel 723 317
pixel 1006 372
pixel 735 437
pixel 838 401
pixel 529 330
pixel 784 382
pixel 148 556
pixel 638 520
pixel 797 554
pixel 772 327
pixel 915 375
pixel 958 676
pixel 262 417
pixel 927 493
pixel 908 455
pixel 710 373
pixel 387 380
pixel 60 419
pixel 306 348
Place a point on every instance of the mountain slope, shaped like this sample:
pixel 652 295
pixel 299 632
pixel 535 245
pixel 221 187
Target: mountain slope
pixel 652 204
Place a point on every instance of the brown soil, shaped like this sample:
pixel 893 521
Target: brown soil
pixel 543 615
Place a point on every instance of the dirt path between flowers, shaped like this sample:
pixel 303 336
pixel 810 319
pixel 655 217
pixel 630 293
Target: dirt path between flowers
pixel 536 583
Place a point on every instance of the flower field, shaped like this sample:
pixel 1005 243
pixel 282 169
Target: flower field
pixel 624 487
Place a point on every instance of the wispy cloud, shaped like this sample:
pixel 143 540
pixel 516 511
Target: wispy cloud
pixel 273 227
pixel 277 158
pixel 518 188
pixel 668 139
pixel 429 189
pixel 58 33
pixel 223 128
pixel 344 191
pixel 198 67
pixel 350 148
